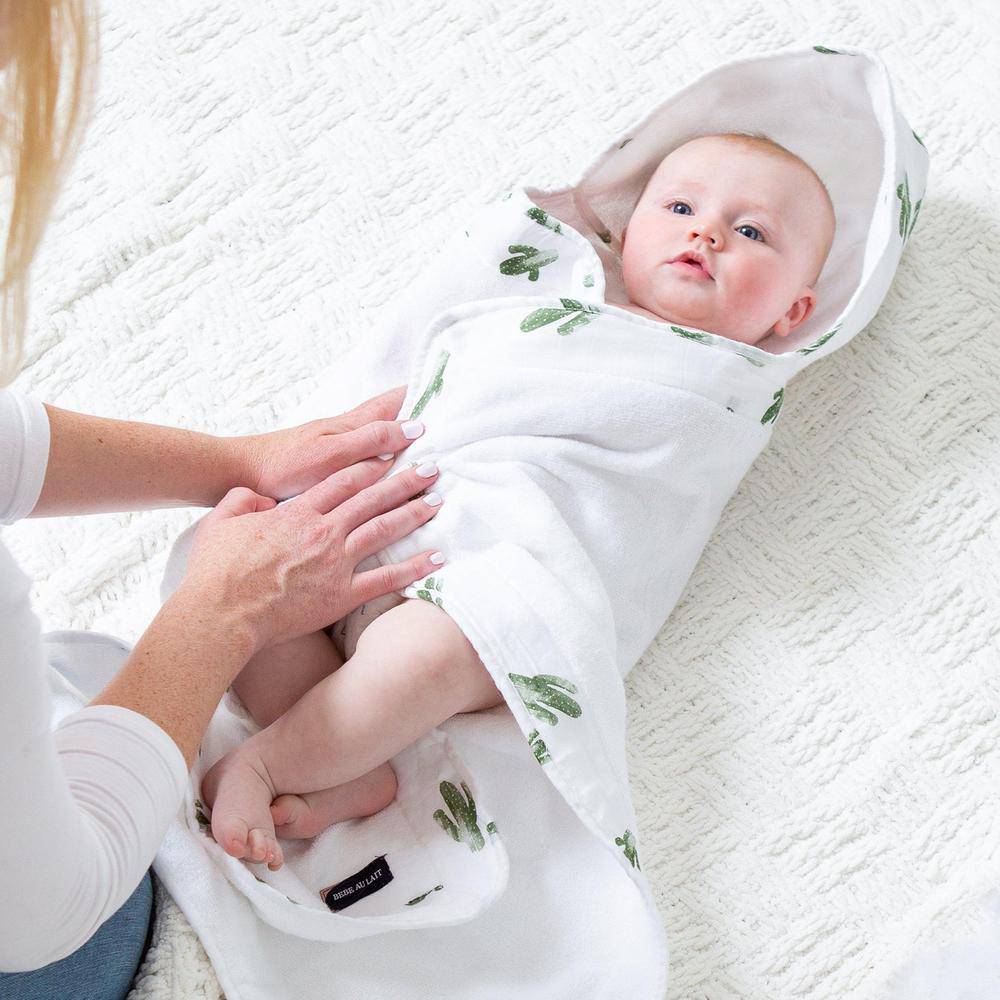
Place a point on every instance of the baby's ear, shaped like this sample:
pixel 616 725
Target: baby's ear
pixel 800 310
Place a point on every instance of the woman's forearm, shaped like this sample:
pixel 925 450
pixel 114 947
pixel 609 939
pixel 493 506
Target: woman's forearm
pixel 97 464
pixel 180 668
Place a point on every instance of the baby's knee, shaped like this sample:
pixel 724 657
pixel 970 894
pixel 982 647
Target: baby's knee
pixel 433 648
pixel 456 664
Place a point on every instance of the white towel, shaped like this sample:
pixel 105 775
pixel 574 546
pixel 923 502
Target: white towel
pixel 586 454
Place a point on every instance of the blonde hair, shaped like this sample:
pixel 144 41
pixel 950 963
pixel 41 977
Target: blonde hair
pixel 45 96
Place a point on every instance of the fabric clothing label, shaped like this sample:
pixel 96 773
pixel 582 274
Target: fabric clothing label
pixel 374 876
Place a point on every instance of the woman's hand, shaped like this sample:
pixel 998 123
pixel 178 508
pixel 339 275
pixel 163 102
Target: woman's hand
pixel 289 569
pixel 284 463
pixel 261 573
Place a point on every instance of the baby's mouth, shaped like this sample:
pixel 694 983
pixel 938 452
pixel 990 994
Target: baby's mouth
pixel 691 268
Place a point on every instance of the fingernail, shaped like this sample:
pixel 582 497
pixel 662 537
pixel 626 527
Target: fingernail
pixel 437 558
pixel 427 470
pixel 413 429
pixel 434 499
pixel 385 458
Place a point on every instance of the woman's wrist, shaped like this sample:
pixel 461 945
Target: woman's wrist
pixel 215 623
pixel 179 670
pixel 229 466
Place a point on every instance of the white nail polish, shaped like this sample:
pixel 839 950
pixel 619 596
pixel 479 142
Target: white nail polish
pixel 437 558
pixel 412 429
pixel 385 458
pixel 434 499
pixel 426 470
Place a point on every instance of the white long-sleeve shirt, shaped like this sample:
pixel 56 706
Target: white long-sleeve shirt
pixel 85 806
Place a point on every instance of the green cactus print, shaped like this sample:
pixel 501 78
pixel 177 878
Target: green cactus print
pixel 577 310
pixel 631 851
pixel 538 747
pixel 418 899
pixel 426 592
pixel 819 343
pixel 588 281
pixel 771 413
pixel 906 222
pixel 542 690
pixel 825 51
pixel 916 213
pixel 463 829
pixel 753 361
pixel 530 260
pixel 507 196
pixel 268 884
pixel 543 219
pixel 199 815
pixel 703 338
pixel 917 137
pixel 434 388
pixel 491 827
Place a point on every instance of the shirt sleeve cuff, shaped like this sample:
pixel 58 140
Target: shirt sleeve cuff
pixel 29 445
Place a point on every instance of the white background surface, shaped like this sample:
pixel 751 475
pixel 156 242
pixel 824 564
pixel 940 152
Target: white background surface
pixel 814 738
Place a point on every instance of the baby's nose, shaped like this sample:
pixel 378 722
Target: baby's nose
pixel 705 233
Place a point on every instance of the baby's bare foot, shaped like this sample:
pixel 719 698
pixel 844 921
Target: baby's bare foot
pixel 238 791
pixel 307 815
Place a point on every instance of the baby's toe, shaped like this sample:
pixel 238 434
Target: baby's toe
pixel 275 858
pixel 258 844
pixel 262 847
pixel 231 833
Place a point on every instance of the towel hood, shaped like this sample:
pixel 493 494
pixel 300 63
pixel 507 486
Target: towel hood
pixel 835 109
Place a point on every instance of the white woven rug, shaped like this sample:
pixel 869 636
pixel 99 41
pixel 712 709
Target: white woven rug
pixel 815 743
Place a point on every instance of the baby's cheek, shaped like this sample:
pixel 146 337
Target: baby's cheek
pixel 635 278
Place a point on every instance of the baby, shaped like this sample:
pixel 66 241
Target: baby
pixel 729 235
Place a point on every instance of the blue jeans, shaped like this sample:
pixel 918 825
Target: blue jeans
pixel 101 969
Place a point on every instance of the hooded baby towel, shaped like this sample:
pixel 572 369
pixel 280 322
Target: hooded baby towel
pixel 586 454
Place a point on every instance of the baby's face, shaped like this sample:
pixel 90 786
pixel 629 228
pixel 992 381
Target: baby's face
pixel 761 224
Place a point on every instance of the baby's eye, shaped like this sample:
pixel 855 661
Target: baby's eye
pixel 672 203
pixel 754 228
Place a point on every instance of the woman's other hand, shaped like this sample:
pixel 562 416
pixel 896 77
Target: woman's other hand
pixel 284 463
pixel 288 569
pixel 260 573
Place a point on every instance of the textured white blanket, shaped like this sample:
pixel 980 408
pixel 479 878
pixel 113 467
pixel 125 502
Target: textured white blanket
pixel 813 736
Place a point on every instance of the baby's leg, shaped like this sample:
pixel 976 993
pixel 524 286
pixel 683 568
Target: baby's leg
pixel 275 679
pixel 270 683
pixel 412 669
